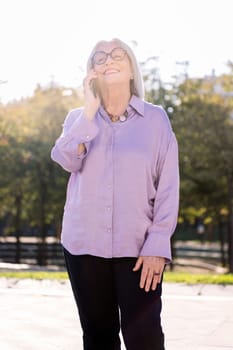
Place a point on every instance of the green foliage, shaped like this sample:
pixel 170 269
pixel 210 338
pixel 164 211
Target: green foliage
pixel 190 278
pixel 37 275
pixel 204 128
pixel 171 277
pixel 32 187
pixel 201 112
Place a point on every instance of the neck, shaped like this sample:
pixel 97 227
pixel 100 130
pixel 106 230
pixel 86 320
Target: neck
pixel 115 100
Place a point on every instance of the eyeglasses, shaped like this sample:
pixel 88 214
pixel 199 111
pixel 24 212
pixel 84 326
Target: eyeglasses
pixel 100 57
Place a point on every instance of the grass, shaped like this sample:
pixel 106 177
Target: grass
pixel 37 275
pixel 191 278
pixel 172 277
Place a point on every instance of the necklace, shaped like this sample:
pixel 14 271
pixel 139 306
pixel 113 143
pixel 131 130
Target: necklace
pixel 116 118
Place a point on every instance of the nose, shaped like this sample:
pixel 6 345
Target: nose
pixel 109 59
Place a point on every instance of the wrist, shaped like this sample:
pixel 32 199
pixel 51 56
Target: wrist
pixel 81 149
pixel 89 112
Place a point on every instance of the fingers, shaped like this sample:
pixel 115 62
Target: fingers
pixel 138 264
pixel 91 75
pixel 147 282
pixel 156 280
pixel 151 273
pixel 160 275
pixel 91 93
pixel 87 80
pixel 148 279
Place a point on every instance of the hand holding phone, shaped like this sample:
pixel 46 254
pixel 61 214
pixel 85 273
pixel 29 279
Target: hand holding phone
pixel 91 94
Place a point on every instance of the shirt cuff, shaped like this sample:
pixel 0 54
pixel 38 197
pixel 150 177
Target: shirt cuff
pixel 157 245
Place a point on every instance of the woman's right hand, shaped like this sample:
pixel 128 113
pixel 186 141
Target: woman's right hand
pixel 92 102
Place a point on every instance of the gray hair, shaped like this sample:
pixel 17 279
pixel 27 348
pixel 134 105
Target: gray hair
pixel 136 85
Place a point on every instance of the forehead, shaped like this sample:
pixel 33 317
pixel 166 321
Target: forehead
pixel 106 46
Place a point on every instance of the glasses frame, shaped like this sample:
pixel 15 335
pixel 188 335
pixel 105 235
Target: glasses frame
pixel 108 54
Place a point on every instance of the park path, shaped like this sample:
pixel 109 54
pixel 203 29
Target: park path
pixel 42 315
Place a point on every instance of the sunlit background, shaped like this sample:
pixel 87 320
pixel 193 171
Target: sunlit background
pixel 186 54
pixel 49 40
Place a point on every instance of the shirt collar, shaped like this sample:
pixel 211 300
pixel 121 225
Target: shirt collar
pixel 137 104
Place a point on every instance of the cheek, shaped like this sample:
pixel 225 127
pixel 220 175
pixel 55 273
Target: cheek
pixel 100 76
pixel 100 80
pixel 128 73
pixel 128 69
pixel 97 69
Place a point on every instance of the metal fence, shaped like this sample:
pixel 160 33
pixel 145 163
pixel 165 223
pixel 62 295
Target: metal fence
pixel 31 251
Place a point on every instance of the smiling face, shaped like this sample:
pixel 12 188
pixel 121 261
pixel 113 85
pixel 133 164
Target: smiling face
pixel 113 71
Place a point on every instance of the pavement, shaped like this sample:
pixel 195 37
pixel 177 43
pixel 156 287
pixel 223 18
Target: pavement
pixel 42 315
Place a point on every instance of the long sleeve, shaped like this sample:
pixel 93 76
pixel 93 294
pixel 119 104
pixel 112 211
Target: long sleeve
pixel 166 204
pixel 77 129
pixel 122 195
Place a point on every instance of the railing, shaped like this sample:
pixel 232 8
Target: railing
pixel 31 251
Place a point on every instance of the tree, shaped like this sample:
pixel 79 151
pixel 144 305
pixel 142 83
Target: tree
pixel 200 111
pixel 204 129
pixel 32 187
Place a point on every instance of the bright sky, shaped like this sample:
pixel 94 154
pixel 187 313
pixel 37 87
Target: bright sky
pixel 41 40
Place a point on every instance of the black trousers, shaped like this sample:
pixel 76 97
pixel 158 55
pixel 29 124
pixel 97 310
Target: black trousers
pixel 101 288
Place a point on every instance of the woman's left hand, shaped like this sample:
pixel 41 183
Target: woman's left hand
pixel 152 270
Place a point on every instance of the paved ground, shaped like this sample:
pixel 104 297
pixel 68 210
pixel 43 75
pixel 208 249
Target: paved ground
pixel 42 315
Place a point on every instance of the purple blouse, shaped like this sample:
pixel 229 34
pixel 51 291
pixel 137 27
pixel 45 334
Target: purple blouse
pixel 123 193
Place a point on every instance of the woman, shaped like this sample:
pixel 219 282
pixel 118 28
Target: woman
pixel 122 203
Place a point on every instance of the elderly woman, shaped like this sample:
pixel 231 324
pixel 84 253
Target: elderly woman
pixel 122 203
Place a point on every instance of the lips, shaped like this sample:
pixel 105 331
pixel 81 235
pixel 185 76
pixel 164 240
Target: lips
pixel 111 71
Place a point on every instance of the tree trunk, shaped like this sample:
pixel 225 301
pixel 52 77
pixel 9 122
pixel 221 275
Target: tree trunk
pixel 221 240
pixel 230 223
pixel 42 247
pixel 18 205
